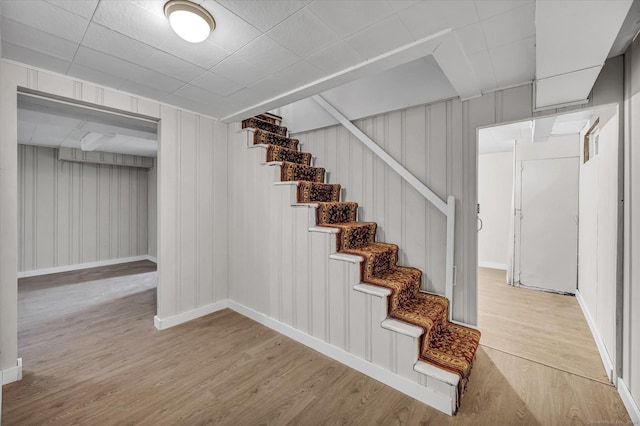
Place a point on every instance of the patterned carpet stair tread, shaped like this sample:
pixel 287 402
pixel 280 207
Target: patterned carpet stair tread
pixel 314 192
pixel 354 234
pixel 268 138
pixel 270 118
pixel 425 310
pixel 279 153
pixel 404 283
pixel 454 349
pixel 336 212
pixel 378 258
pixel 294 171
pixel 265 125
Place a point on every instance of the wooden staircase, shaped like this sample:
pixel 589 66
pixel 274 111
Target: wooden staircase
pixel 443 352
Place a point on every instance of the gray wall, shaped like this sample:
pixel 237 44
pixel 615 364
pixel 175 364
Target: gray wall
pixel 631 307
pixel 73 213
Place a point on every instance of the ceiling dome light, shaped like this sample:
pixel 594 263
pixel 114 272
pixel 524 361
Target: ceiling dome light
pixel 190 21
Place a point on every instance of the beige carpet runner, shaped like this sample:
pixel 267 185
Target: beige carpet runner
pixel 446 345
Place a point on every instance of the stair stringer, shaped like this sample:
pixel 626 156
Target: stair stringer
pixel 323 298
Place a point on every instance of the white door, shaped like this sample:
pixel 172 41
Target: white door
pixel 549 224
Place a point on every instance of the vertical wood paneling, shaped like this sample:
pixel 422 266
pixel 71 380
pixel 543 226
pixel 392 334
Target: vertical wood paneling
pixel 71 213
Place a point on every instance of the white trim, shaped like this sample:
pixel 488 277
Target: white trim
pixel 402 327
pixel 12 374
pixel 604 355
pixel 413 389
pixel 373 290
pixel 630 404
pixel 67 268
pixel 492 265
pixel 151 258
pixel 438 373
pixel 164 323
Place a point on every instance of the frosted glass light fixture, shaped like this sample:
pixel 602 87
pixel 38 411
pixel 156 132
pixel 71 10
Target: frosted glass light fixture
pixel 190 21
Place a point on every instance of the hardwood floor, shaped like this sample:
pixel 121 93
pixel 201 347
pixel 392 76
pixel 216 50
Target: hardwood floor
pixel 511 318
pixel 106 364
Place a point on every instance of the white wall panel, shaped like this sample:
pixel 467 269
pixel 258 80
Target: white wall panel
pixel 49 188
pixel 191 166
pixel 630 358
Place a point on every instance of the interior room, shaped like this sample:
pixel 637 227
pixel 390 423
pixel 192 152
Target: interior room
pixel 316 211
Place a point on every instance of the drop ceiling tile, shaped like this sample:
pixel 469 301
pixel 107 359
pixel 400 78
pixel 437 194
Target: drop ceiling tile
pixel 516 24
pixel 428 17
pixel 489 8
pixel 398 5
pixel 471 38
pixel 95 76
pixel 266 54
pixel 175 67
pixel 144 90
pixel 31 57
pixel 290 78
pixel 336 57
pixel 514 63
pixel 47 18
pixel 481 64
pixel 199 95
pixel 239 71
pixel 380 37
pixel 349 17
pixel 97 60
pixel 216 83
pixel 263 14
pixel 31 38
pixel 115 44
pixel 316 37
pixel 84 8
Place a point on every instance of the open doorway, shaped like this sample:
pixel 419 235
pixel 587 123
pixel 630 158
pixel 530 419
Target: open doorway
pixel 547 192
pixel 87 223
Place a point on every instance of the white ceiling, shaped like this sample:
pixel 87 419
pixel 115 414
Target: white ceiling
pixel 502 138
pixel 47 123
pixel 263 49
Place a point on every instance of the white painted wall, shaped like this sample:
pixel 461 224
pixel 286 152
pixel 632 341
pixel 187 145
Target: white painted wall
pixel 495 191
pixel 598 238
pixel 192 197
pixel 74 213
pixel 629 359
pixel 152 205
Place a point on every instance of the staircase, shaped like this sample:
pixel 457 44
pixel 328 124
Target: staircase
pixel 445 350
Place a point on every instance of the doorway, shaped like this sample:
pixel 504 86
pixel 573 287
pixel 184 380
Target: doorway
pixel 536 231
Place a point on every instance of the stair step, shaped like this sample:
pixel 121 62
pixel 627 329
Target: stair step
pixel 262 124
pixel 354 234
pixel 336 212
pixel 378 258
pixel 293 171
pixel 404 283
pixel 261 137
pixel 280 153
pixel 311 192
pixel 401 327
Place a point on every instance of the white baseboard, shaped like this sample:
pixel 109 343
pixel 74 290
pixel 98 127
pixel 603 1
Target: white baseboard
pixel 151 258
pixel 413 389
pixel 604 355
pixel 87 265
pixel 172 321
pixel 492 265
pixel 630 404
pixel 12 374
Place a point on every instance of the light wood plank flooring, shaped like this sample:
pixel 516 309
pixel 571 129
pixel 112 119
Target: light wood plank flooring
pixel 543 327
pixel 107 365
